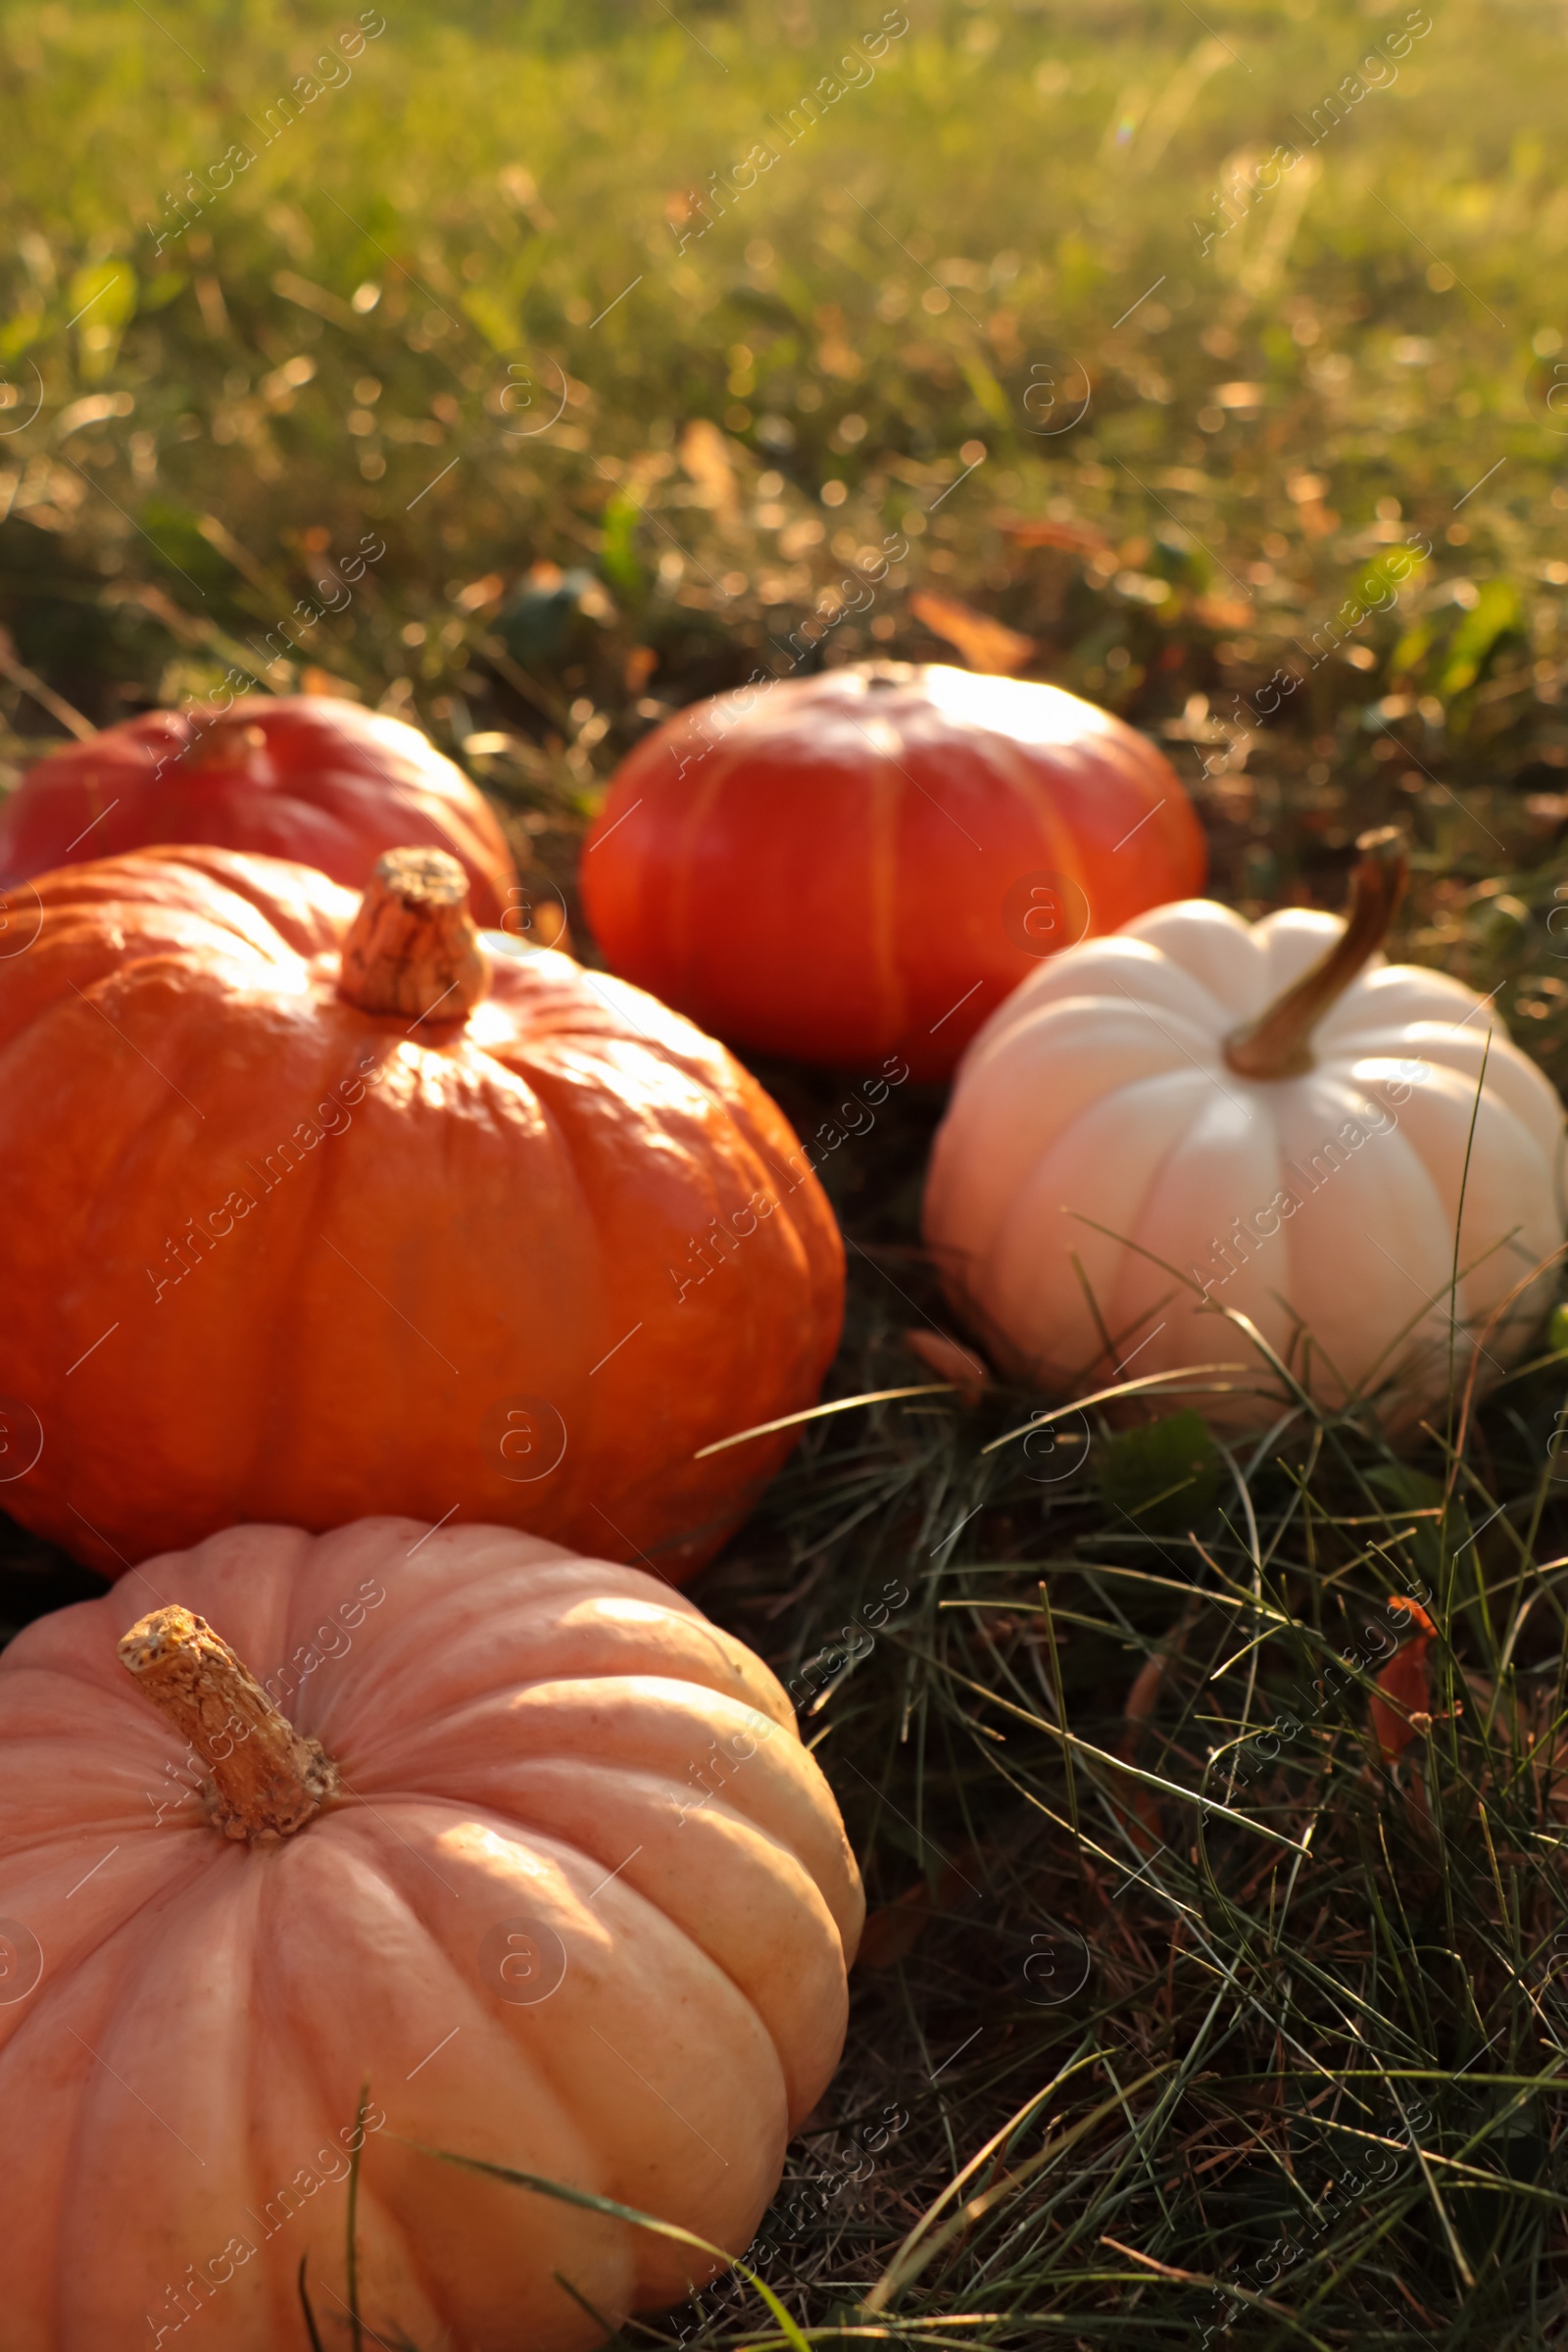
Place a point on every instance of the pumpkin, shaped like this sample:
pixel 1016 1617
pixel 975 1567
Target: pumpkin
pixel 867 862
pixel 309 1204
pixel 308 776
pixel 508 1853
pixel 1200 1115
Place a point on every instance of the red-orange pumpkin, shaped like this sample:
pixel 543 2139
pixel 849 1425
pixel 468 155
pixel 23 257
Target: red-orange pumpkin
pixel 868 862
pixel 308 776
pixel 522 1850
pixel 274 1251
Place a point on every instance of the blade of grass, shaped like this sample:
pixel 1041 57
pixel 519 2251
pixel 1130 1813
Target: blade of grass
pixel 589 2202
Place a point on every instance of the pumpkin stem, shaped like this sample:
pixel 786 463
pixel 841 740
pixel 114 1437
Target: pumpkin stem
pixel 1279 1043
pixel 413 948
pixel 267 1780
pixel 224 742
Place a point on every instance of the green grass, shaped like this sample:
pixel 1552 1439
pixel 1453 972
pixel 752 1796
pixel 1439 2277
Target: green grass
pixel 495 184
pixel 1246 2030
pixel 1335 1973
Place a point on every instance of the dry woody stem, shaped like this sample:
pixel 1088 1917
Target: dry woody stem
pixel 413 949
pixel 267 1780
pixel 1279 1043
pixel 225 743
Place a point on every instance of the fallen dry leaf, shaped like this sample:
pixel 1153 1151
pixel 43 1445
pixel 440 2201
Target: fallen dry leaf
pixel 479 593
pixel 985 644
pixel 704 453
pixel 892 1933
pixel 948 1361
pixel 1145 1826
pixel 1222 613
pixel 1043 530
pixel 1402 1703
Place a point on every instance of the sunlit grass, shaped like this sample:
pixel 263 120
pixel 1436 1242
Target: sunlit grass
pixel 896 325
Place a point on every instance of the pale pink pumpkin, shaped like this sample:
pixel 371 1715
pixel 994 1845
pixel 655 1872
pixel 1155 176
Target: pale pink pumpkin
pixel 575 1900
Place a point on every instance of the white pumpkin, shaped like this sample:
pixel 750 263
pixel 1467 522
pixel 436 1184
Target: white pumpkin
pixel 1199 1113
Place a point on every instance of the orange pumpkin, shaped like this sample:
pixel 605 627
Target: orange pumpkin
pixel 306 1209
pixel 306 777
pixel 868 862
pixel 514 1845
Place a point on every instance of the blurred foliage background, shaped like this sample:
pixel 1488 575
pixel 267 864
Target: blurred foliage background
pixel 1152 334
